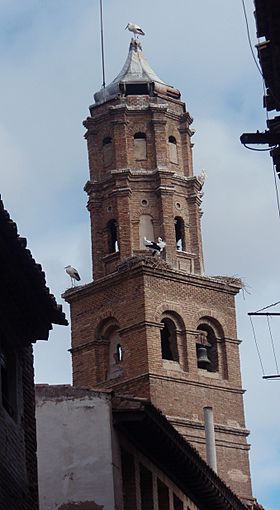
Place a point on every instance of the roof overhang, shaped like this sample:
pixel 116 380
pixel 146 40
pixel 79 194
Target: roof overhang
pixel 151 433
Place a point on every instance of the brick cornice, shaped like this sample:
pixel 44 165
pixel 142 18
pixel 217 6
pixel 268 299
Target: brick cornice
pixel 190 183
pixel 179 421
pixel 190 382
pixel 142 266
pixel 86 346
pixel 209 383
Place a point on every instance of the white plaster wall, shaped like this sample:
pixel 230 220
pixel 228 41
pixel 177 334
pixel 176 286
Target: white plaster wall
pixel 74 450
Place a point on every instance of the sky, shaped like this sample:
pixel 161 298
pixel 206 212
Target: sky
pixel 50 67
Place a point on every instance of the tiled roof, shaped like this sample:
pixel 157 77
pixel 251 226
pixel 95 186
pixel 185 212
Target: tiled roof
pixel 23 284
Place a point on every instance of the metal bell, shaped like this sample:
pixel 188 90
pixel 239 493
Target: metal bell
pixel 202 357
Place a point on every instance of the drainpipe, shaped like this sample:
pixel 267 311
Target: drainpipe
pixel 210 438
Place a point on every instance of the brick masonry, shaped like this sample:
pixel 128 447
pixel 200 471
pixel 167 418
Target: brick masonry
pixel 18 462
pixel 133 292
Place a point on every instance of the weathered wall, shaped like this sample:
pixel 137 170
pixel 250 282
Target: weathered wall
pixel 18 467
pixel 153 186
pixel 75 465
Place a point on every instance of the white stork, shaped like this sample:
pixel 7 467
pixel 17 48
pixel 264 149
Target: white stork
pixel 135 29
pixel 156 247
pixel 73 273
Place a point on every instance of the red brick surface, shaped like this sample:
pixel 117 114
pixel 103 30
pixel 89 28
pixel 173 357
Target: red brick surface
pixel 135 292
pixel 117 191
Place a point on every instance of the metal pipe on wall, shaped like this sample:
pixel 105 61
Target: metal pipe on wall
pixel 211 456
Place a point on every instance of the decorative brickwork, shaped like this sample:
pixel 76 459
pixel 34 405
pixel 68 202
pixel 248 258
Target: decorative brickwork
pixel 162 309
pixel 131 188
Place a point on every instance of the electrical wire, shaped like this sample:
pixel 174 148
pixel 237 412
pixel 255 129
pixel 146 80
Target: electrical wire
pixel 102 43
pixel 276 99
pixel 276 188
pixel 256 343
pixel 249 38
pixel 272 344
pixel 273 166
pixel 266 307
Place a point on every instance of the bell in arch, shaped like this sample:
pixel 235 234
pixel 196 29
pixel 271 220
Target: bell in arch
pixel 202 357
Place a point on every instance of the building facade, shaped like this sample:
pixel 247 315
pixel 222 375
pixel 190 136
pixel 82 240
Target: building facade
pixel 97 451
pixel 28 311
pixel 153 326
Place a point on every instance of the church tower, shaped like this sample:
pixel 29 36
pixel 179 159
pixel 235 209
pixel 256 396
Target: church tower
pixel 154 326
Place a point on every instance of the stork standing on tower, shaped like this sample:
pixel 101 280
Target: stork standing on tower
pixel 135 29
pixel 73 273
pixel 157 248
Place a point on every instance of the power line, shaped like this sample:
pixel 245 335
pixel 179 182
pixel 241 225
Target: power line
pixel 257 347
pixel 249 38
pixel 102 43
pixel 276 99
pixel 266 307
pixel 272 344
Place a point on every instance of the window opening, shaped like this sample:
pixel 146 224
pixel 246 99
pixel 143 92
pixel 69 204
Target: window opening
pixel 129 480
pixel 146 229
pixel 177 503
pixel 163 496
pixel 107 151
pixel 107 140
pixel 146 488
pixel 113 236
pixel 168 337
pixel 137 89
pixel 115 353
pixel 119 354
pixel 180 234
pixel 173 156
pixel 140 146
pixel 210 352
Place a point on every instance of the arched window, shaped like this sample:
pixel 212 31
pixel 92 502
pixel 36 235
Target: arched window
pixel 168 336
pixel 209 342
pixel 146 229
pixel 173 156
pixel 112 229
pixel 107 151
pixel 109 350
pixel 115 355
pixel 180 234
pixel 140 146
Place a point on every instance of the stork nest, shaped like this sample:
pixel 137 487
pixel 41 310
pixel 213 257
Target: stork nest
pixel 155 262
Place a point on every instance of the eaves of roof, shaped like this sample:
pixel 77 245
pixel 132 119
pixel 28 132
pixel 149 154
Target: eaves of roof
pixel 150 431
pixel 27 303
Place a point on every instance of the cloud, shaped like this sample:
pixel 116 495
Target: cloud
pixel 50 68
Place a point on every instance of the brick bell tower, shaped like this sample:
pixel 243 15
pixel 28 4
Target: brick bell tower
pixel 156 326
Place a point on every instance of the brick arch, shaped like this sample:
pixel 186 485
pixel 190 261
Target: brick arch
pixel 107 321
pixel 168 309
pixel 215 319
pixel 217 325
pixel 138 127
pixel 174 317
